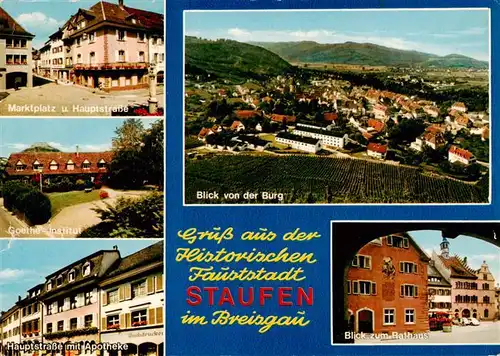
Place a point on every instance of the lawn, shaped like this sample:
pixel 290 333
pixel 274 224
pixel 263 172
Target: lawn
pixel 60 201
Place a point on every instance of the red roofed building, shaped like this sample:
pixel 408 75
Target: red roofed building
pixel 247 114
pixel 432 111
pixel 237 126
pixel 376 150
pixel 82 165
pixel 111 45
pixel 376 124
pixel 373 96
pixel 330 116
pixel 387 287
pixel 283 118
pixel 456 154
pixel 473 291
pixel 463 121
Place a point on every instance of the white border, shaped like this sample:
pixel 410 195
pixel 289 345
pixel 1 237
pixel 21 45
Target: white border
pixel 332 343
pixel 332 10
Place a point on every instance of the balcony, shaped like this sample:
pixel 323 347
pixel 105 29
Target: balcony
pixel 111 66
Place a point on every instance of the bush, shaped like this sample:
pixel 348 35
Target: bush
pixel 80 184
pixel 36 207
pixel 131 217
pixel 20 197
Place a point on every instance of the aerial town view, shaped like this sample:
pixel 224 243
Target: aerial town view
pixel 64 178
pixel 301 108
pixel 104 59
pixel 419 287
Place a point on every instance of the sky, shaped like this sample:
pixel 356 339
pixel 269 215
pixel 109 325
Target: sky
pixel 91 135
pixel 43 17
pixel 23 265
pixel 474 249
pixel 445 32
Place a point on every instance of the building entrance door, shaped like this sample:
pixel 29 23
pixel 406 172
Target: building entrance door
pixel 365 321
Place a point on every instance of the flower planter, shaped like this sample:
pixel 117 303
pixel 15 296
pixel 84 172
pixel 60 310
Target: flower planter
pixel 447 328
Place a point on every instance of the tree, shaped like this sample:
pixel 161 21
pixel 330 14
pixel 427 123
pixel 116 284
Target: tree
pixel 129 135
pixel 152 152
pixel 127 169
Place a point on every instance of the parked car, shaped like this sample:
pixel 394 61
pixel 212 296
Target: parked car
pixel 474 321
pixel 465 321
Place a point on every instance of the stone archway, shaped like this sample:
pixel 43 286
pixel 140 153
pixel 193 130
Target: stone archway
pixel 349 237
pixel 466 313
pixel 365 320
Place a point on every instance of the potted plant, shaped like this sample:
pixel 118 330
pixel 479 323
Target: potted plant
pixel 447 326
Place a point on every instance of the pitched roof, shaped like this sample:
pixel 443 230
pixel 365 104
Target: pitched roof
pixel 459 104
pixel 204 132
pixel 247 114
pixel 375 147
pixel 104 11
pixel 461 152
pixel 330 116
pixel 281 118
pixel 236 124
pixel 289 136
pixel 436 138
pixel 150 254
pixel 433 272
pixel 376 124
pixel 61 158
pixel 9 26
pixel 458 267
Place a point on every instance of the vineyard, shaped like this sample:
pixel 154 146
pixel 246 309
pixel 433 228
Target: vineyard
pixel 319 180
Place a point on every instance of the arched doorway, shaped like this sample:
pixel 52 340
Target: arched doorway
pixel 486 313
pixel 16 80
pixel 131 350
pixel 147 349
pixel 160 77
pixel 474 313
pixel 466 313
pixel 365 319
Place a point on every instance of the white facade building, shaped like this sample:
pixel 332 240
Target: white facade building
pixel 326 137
pixel 307 144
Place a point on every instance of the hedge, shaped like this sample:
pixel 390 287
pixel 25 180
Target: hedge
pixel 26 199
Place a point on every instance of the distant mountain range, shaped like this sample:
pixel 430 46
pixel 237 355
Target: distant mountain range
pixel 231 59
pixel 365 54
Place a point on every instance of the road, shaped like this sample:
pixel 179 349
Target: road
pixel 486 333
pixel 10 226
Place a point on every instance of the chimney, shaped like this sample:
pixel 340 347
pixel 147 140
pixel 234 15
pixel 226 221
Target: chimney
pixel 77 151
pixel 18 298
pixel 120 2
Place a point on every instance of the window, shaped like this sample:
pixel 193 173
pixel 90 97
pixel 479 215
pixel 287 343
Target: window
pixel 101 164
pixel 362 261
pixel 92 57
pixel 86 269
pixel 72 302
pixel 49 328
pixel 398 241
pixel 70 165
pixel 486 286
pixel 121 35
pixel 49 309
pixel 121 56
pixel 409 316
pixel 364 288
pixel 92 37
pixel 73 323
pixel 348 287
pixel 486 299
pixel 141 36
pixel 88 298
pixel 60 325
pixel 138 289
pixel 35 308
pixel 20 167
pixel 60 305
pixel 409 290
pixel 71 276
pixel 78 41
pixel 389 316
pixel 113 296
pixel 79 58
pixel 407 267
pixel 141 57
pixel 113 321
pixel 88 320
pixel 59 281
pixel 86 164
pixel 53 166
pixel 139 317
pixel 485 276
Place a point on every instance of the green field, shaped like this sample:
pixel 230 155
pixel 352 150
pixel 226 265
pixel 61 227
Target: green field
pixel 60 201
pixel 304 179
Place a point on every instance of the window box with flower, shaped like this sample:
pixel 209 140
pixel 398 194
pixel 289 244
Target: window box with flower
pixel 139 323
pixel 113 326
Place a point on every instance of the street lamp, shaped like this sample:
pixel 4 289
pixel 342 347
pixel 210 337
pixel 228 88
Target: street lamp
pixel 153 102
pixel 39 170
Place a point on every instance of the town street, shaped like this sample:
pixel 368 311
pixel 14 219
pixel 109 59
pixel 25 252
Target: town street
pixel 10 226
pixel 77 101
pixel 486 333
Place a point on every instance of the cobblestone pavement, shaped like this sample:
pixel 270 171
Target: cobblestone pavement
pixel 69 100
pixel 486 333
